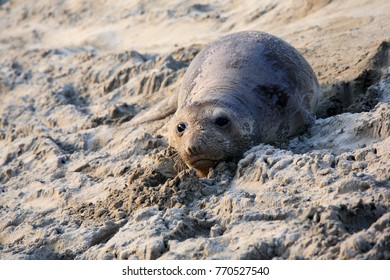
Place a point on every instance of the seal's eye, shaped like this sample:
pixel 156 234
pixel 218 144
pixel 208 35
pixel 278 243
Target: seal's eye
pixel 222 121
pixel 181 127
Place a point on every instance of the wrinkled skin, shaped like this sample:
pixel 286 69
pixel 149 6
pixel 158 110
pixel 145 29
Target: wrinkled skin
pixel 244 89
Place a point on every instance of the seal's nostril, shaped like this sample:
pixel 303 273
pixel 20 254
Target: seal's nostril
pixel 195 146
pixel 192 150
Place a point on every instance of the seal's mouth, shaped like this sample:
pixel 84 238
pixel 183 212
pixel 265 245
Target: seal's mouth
pixel 203 165
pixel 204 162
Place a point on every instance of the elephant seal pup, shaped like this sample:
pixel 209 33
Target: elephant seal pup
pixel 244 89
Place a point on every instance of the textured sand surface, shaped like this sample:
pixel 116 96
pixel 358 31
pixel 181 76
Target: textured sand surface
pixel 77 182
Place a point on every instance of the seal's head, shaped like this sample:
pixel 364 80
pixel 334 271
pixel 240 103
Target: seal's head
pixel 206 133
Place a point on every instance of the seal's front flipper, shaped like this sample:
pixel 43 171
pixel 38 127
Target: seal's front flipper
pixel 159 111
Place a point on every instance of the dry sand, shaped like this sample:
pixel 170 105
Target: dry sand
pixel 76 182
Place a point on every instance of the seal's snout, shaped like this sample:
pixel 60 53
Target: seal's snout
pixel 198 157
pixel 193 149
pixel 195 145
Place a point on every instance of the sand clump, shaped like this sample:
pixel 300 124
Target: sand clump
pixel 77 182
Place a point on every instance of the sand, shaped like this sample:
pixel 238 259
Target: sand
pixel 77 182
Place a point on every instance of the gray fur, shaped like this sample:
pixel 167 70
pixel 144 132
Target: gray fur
pixel 259 82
